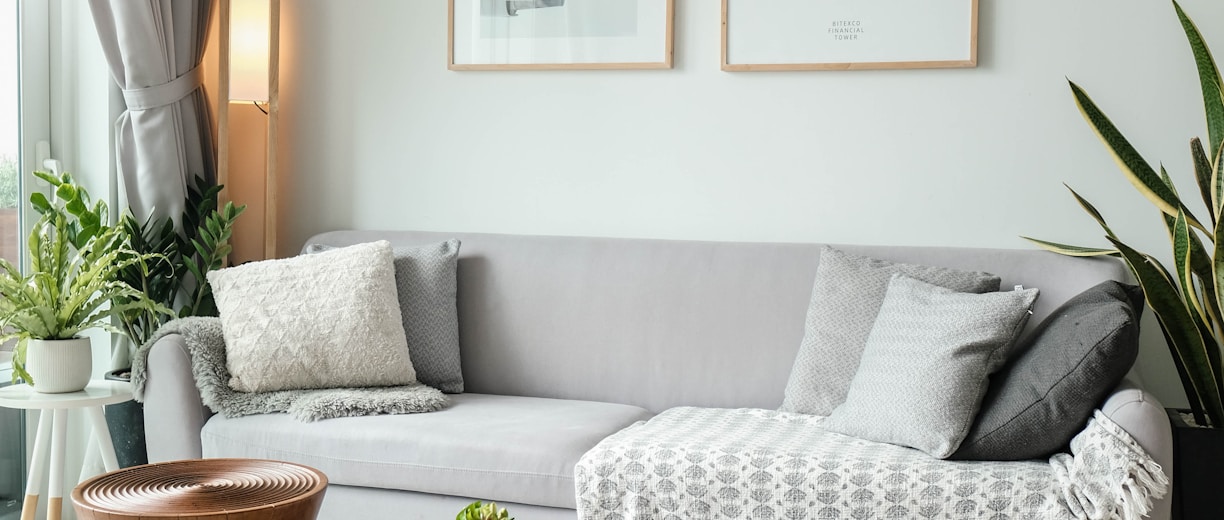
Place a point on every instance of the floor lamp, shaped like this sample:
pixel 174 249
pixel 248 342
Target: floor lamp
pixel 248 72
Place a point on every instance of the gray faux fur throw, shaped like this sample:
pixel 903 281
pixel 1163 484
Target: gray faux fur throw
pixel 207 348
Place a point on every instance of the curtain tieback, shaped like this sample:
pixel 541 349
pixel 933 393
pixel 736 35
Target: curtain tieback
pixel 178 88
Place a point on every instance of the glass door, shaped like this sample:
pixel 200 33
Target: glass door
pixel 10 139
pixel 12 427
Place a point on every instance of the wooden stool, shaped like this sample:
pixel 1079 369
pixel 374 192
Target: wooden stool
pixel 204 489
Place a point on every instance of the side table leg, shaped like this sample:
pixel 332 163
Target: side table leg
pixel 102 433
pixel 55 482
pixel 38 465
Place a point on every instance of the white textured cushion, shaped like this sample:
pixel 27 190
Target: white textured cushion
pixel 925 366
pixel 425 277
pixel 313 321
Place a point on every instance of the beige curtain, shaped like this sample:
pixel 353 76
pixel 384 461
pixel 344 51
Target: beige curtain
pixel 154 49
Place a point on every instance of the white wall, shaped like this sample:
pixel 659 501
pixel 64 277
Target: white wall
pixel 379 134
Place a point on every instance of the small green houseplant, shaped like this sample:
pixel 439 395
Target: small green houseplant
pixel 73 285
pixel 179 280
pixel 478 511
pixel 1187 299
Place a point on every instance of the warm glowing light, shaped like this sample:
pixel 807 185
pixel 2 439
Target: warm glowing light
pixel 249 28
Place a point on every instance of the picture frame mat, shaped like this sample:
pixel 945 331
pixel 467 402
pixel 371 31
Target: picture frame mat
pixel 967 57
pixel 665 38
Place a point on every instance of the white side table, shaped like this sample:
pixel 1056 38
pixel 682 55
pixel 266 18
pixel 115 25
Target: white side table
pixel 53 426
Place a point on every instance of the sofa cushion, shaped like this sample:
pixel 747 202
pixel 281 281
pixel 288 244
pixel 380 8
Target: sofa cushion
pixel 926 363
pixel 503 448
pixel 846 298
pixel 425 281
pixel 1059 375
pixel 313 321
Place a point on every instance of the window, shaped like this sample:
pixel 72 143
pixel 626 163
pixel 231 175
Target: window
pixel 10 140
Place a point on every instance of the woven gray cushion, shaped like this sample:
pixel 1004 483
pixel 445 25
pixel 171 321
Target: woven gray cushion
pixel 1059 374
pixel 313 321
pixel 425 280
pixel 925 366
pixel 845 300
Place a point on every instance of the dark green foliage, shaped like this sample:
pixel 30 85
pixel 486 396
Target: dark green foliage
pixel 180 280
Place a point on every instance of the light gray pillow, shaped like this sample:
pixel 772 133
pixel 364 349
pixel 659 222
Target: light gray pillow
pixel 313 321
pixel 845 300
pixel 426 284
pixel 926 364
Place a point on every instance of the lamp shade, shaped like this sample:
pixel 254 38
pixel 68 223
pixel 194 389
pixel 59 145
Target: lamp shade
pixel 250 22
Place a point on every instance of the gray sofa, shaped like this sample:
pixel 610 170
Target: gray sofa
pixel 566 340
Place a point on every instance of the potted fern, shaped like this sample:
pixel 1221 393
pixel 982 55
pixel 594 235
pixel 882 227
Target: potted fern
pixel 1188 298
pixel 72 286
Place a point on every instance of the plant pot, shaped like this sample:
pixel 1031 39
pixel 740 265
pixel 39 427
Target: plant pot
pixel 59 365
pixel 1198 469
pixel 126 424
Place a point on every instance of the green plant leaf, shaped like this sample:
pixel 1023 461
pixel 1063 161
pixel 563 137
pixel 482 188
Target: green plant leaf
pixel 1136 169
pixel 1185 267
pixel 40 203
pixel 1209 80
pixel 1204 176
pixel 1188 345
pixel 1069 250
pixel 1092 211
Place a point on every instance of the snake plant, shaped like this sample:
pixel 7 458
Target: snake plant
pixel 73 283
pixel 1186 299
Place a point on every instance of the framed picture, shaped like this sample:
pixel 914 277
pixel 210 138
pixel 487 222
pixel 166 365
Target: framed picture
pixel 848 34
pixel 560 34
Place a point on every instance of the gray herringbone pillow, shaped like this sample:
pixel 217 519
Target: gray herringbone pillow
pixel 426 283
pixel 926 364
pixel 313 321
pixel 845 300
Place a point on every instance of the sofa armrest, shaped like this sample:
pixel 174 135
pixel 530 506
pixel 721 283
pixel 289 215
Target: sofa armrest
pixel 174 413
pixel 1144 418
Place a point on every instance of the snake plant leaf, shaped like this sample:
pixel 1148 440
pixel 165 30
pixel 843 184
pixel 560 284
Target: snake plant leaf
pixel 1137 170
pixel 1201 266
pixel 1209 80
pixel 1069 250
pixel 1217 180
pixel 1208 182
pixel 1187 342
pixel 1096 215
pixel 1185 267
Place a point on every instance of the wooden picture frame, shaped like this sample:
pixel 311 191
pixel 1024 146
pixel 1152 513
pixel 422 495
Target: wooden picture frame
pixel 560 34
pixel 782 35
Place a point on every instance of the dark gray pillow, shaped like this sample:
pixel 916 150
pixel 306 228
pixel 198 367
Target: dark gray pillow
pixel 1058 376
pixel 425 279
pixel 846 298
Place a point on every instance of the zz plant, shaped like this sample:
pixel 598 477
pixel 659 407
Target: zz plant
pixel 73 284
pixel 178 280
pixel 1186 299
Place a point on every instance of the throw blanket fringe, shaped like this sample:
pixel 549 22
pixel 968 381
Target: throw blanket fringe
pixel 1108 475
pixel 206 345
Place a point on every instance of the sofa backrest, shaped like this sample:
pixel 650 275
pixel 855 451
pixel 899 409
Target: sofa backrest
pixel 663 323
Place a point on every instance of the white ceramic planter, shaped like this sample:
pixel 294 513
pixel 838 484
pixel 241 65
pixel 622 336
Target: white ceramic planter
pixel 59 365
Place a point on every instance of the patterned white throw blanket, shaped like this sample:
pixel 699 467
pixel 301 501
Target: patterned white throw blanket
pixel 762 464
